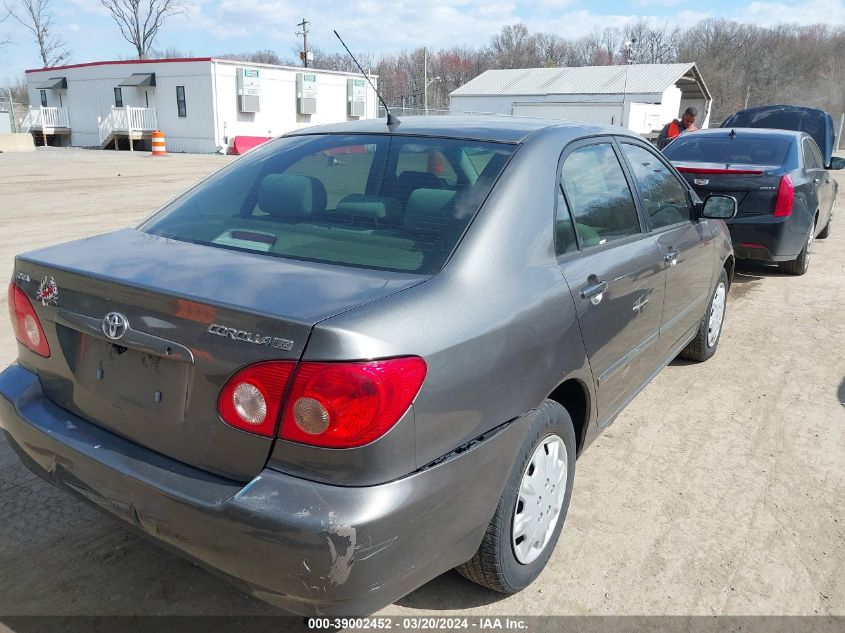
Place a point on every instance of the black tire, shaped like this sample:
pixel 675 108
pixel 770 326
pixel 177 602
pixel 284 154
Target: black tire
pixel 495 565
pixel 700 349
pixel 801 264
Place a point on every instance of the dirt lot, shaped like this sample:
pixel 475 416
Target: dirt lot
pixel 720 490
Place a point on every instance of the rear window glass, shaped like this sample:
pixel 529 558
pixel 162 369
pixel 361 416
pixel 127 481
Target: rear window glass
pixel 809 121
pixel 721 149
pixel 371 201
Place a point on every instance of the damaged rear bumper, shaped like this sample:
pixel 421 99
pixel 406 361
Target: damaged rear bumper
pixel 307 547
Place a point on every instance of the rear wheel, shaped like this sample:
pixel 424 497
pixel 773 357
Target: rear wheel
pixel 523 532
pixel 703 346
pixel 801 264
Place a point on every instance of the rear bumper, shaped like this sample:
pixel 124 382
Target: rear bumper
pixel 767 238
pixel 307 547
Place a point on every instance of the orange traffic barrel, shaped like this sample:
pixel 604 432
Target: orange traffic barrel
pixel 158 144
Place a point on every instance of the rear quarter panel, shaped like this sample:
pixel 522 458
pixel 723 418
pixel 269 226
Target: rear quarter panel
pixel 497 327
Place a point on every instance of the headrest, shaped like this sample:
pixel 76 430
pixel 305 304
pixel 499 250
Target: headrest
pixel 424 211
pixel 364 207
pixel 287 195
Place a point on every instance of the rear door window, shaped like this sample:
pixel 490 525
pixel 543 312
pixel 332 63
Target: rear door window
pixel 664 196
pixel 372 201
pixel 565 241
pixel 812 156
pixel 601 202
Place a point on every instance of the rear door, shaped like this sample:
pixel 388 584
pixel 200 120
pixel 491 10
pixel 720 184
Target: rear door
pixel 614 270
pixel 819 177
pixel 684 242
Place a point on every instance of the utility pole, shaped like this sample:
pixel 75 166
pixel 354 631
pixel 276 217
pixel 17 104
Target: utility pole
pixel 303 32
pixel 425 80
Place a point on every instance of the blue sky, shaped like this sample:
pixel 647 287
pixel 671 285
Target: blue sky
pixel 213 27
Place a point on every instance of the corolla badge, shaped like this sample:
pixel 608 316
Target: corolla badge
pixel 48 291
pixel 115 325
pixel 249 337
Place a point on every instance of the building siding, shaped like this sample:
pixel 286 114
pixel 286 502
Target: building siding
pixel 278 109
pixel 210 99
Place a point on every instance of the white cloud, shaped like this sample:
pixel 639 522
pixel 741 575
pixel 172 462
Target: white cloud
pixel 367 25
pixel 656 3
pixel 808 12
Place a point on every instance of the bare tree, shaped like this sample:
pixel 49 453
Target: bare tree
pixel 171 52
pixel 7 40
pixel 37 18
pixel 140 20
pixel 514 47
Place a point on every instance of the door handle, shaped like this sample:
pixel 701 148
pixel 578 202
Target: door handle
pixel 671 257
pixel 816 181
pixel 594 292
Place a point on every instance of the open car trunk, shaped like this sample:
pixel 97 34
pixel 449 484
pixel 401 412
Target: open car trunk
pixel 195 315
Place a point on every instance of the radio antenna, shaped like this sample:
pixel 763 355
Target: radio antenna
pixel 392 121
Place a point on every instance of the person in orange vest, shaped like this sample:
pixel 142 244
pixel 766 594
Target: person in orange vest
pixel 676 127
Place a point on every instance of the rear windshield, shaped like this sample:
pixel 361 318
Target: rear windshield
pixel 373 201
pixel 721 149
pixel 809 121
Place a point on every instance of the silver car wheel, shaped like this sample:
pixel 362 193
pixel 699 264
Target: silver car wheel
pixel 717 314
pixel 540 499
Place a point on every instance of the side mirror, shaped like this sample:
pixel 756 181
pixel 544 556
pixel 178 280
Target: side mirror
pixel 837 163
pixel 719 207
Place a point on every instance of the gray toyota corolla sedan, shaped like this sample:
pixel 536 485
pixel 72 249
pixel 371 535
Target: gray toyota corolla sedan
pixel 354 359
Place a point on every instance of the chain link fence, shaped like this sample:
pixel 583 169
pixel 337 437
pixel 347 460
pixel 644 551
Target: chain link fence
pixel 11 114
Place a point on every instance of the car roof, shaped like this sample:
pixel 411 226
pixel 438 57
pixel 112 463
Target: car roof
pixel 503 129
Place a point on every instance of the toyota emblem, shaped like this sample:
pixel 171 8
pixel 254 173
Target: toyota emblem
pixel 115 325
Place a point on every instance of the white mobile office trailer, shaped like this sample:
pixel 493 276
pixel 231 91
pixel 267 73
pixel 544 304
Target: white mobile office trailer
pixel 200 104
pixel 641 97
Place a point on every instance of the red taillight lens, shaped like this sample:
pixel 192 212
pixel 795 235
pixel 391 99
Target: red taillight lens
pixel 25 322
pixel 786 195
pixel 342 405
pixel 252 398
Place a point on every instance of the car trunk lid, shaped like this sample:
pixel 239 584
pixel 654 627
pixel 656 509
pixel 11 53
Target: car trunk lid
pixel 195 315
pixel 755 187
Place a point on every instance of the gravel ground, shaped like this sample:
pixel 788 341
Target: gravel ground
pixel 719 490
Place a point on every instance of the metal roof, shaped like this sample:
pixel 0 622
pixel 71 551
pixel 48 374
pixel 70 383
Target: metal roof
pixel 641 78
pixel 54 83
pixel 139 80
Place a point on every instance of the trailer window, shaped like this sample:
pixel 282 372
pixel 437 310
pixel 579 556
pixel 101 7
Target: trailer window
pixel 180 102
pixel 118 97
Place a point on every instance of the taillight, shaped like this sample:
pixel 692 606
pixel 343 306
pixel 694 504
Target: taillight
pixel 251 400
pixel 342 405
pixel 25 322
pixel 786 195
